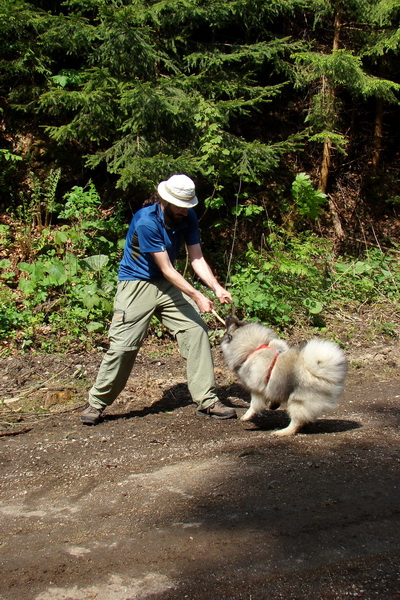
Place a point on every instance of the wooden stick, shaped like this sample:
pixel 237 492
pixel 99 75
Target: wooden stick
pixel 216 315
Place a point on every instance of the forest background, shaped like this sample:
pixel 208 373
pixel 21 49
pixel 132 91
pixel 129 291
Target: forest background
pixel 284 112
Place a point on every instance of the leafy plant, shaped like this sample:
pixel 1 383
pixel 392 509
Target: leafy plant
pixel 5 236
pixel 375 277
pixel 81 205
pixel 283 283
pixel 11 317
pixel 308 200
pixel 296 279
pixel 67 283
pixel 8 156
pixel 43 198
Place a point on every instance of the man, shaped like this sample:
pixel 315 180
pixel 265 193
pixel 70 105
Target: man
pixel 148 284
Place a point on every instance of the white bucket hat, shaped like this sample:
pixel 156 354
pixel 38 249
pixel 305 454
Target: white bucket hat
pixel 178 190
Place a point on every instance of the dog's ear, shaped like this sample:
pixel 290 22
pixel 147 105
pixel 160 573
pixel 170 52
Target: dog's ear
pixel 232 323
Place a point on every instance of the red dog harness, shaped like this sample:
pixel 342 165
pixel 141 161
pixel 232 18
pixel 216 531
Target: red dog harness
pixel 277 353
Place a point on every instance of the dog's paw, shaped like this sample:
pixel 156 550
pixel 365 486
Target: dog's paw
pixel 246 419
pixel 290 430
pixel 248 415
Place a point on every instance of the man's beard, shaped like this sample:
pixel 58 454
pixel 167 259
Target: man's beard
pixel 170 218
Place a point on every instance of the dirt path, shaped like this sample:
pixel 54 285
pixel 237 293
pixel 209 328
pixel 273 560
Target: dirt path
pixel 157 503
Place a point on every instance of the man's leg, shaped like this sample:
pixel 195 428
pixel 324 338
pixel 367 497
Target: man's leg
pixel 112 376
pixel 133 309
pixel 184 322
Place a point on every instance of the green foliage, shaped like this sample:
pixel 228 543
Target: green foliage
pixel 280 284
pixel 11 317
pixel 145 89
pixel 64 288
pixel 329 75
pixel 5 236
pixel 65 292
pixel 142 88
pixel 384 36
pixel 8 169
pixel 308 201
pixel 296 279
pixel 42 199
pixel 376 277
pixel 36 208
pixel 80 204
pixel 7 156
pixel 84 281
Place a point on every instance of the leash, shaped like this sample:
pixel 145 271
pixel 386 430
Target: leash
pixel 265 346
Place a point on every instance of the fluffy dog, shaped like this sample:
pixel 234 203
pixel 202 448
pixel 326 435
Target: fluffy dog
pixel 309 378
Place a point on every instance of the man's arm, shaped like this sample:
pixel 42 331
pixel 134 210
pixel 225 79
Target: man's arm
pixel 173 276
pixel 203 270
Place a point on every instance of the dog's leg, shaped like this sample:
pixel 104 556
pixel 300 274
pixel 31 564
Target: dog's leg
pixel 257 405
pixel 249 415
pixel 299 415
pixel 291 429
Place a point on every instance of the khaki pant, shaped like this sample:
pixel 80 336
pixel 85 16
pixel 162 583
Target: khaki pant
pixel 134 305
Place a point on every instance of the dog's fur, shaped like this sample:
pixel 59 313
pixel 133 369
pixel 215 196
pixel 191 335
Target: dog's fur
pixel 309 378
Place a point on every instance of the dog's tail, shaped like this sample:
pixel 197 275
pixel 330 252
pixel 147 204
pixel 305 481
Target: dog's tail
pixel 325 360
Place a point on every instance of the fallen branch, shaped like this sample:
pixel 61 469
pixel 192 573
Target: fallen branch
pixel 7 433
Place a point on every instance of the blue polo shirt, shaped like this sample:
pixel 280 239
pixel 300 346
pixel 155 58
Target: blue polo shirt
pixel 148 233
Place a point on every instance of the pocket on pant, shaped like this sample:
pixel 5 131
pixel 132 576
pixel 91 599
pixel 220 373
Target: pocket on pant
pixel 119 316
pixel 129 328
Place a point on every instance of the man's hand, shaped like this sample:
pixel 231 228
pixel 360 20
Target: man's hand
pixel 171 274
pixel 205 304
pixel 223 295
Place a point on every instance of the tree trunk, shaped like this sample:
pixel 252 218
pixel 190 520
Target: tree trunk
pixel 336 31
pixel 378 134
pixel 326 161
pixel 337 224
pixel 326 154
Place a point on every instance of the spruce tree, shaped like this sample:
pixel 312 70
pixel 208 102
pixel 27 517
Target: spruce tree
pixel 332 73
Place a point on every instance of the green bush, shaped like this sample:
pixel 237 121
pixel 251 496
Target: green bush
pixel 375 278
pixel 11 317
pixel 296 279
pixel 65 287
pixel 61 295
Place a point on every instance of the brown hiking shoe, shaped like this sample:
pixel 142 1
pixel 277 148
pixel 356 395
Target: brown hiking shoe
pixel 217 411
pixel 91 415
